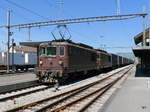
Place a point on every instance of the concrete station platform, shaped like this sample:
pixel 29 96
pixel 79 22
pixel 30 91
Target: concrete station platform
pixel 133 96
pixel 10 82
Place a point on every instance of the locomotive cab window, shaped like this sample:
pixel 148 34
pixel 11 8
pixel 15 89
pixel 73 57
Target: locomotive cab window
pixel 51 51
pixel 42 51
pixel 62 51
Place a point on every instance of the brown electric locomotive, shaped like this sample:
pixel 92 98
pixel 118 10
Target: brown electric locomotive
pixel 61 59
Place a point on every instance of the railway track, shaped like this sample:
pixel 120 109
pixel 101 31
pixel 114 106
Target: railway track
pixel 3 73
pixel 82 103
pixel 22 92
pixel 78 99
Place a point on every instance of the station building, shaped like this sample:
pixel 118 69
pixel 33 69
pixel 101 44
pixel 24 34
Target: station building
pixel 142 50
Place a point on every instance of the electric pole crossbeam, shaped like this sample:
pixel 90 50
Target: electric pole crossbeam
pixel 128 47
pixel 78 20
pixel 62 22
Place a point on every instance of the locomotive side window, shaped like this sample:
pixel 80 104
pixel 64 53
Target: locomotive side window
pixel 51 51
pixel 109 58
pixel 93 57
pixel 70 50
pixel 62 51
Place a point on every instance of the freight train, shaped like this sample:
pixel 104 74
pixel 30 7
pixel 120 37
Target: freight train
pixel 20 61
pixel 61 59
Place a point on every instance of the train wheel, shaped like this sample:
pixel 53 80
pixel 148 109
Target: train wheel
pixel 26 69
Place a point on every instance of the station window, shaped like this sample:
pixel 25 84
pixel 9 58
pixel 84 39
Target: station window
pixel 62 51
pixel 51 51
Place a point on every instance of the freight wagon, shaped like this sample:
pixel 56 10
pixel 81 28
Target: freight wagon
pixel 22 61
pixel 61 59
pixel 118 61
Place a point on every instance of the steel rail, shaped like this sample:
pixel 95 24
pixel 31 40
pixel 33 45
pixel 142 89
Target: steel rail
pixel 61 94
pixel 52 97
pixel 23 94
pixel 75 101
pixel 102 90
pixel 99 95
pixel 5 74
pixel 63 99
pixel 17 89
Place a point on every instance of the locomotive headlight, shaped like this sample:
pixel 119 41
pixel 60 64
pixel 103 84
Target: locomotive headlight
pixel 41 62
pixel 60 63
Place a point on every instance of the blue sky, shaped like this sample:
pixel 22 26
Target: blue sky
pixel 97 34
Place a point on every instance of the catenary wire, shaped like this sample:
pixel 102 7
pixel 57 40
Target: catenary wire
pixel 26 9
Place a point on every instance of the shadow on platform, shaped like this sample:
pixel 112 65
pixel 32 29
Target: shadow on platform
pixel 142 72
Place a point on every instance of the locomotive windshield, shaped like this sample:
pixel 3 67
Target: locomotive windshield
pixel 51 51
pixel 48 51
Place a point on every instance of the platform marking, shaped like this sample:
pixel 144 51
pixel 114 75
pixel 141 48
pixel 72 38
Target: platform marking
pixel 148 84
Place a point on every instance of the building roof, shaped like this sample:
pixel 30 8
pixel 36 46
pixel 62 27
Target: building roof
pixel 25 49
pixel 140 51
pixel 32 44
pixel 139 37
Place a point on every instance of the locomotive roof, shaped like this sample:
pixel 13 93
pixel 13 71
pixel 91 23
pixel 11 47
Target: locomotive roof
pixel 101 50
pixel 36 44
pixel 62 41
pixel 71 42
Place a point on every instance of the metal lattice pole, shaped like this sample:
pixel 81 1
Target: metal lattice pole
pixel 118 7
pixel 8 38
pixel 144 32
